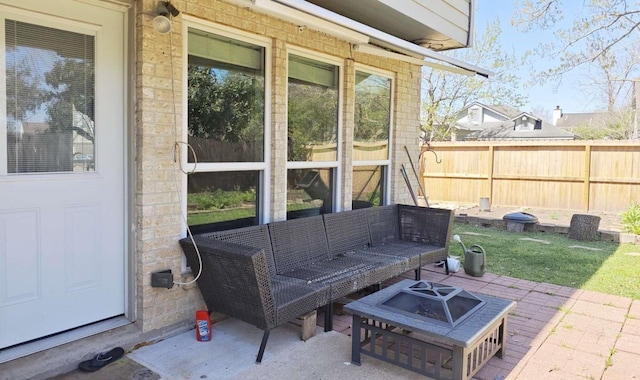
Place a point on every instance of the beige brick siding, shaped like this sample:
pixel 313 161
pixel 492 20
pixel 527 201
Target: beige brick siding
pixel 158 222
pixel 346 170
pixel 279 130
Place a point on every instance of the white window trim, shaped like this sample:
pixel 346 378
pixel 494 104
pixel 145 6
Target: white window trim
pixel 333 165
pixel 387 163
pixel 312 164
pixel 263 166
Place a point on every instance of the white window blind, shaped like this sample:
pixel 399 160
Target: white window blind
pixel 225 50
pixel 50 99
pixel 313 72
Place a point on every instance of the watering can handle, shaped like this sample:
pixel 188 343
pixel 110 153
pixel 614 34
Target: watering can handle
pixel 484 254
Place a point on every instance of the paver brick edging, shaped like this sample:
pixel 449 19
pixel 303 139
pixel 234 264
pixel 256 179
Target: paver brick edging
pixel 602 235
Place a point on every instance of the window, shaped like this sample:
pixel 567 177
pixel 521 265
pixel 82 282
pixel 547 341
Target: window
pixel 226 130
pixel 50 83
pixel 475 115
pixel 524 123
pixel 368 186
pixel 312 110
pixel 222 200
pixel 371 138
pixel 309 192
pixel 312 135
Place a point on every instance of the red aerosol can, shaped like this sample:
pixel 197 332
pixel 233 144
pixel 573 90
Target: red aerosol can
pixel 203 326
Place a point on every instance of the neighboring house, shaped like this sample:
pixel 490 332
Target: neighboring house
pixel 288 103
pixel 477 117
pixel 482 122
pixel 571 121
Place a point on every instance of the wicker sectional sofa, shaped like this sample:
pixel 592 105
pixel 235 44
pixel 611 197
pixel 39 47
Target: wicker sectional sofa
pixel 270 274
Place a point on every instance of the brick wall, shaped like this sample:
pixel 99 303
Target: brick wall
pixel 158 222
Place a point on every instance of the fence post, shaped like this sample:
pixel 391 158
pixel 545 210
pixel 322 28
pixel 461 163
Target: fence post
pixel 587 177
pixel 490 174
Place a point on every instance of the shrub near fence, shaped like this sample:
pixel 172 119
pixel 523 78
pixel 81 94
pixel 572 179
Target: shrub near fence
pixel 576 175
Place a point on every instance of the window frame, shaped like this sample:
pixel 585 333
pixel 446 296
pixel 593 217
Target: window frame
pixel 334 166
pixel 384 164
pixel 263 167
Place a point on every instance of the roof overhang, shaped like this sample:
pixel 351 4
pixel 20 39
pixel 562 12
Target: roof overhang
pixel 436 24
pixel 364 38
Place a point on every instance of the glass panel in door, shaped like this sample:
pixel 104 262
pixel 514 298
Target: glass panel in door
pixel 50 99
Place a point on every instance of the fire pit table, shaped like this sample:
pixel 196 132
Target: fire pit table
pixel 437 330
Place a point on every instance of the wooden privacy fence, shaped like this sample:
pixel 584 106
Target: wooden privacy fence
pixel 575 175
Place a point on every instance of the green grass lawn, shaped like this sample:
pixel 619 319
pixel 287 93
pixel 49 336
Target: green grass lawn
pixel 613 268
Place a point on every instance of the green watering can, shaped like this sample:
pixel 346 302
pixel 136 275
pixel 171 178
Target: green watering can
pixel 475 258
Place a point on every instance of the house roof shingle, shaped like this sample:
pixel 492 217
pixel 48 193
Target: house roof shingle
pixel 506 131
pixel 572 120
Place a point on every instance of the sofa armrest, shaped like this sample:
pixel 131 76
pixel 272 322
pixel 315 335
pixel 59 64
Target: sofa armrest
pixel 235 280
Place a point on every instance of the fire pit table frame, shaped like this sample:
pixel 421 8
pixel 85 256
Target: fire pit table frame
pixel 434 350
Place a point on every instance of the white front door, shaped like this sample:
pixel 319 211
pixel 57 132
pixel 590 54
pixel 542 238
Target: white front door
pixel 62 210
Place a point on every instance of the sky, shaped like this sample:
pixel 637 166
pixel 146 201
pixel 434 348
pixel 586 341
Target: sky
pixel 568 94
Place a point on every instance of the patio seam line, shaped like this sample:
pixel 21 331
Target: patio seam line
pixel 614 349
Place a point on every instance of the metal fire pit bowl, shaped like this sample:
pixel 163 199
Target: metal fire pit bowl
pixel 434 303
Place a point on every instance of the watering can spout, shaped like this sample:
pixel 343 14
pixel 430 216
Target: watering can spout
pixel 457 239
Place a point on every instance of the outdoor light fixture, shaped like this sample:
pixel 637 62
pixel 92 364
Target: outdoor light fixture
pixel 161 22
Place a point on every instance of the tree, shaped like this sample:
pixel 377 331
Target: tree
pixel 609 80
pixel 24 95
pixel 603 26
pixel 446 94
pixel 601 35
pixel 616 126
pixel 312 118
pixel 71 90
pixel 225 105
pixel 372 107
pixel 542 113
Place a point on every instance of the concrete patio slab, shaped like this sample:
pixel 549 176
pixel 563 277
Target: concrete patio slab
pixel 124 368
pixel 555 332
pixel 231 355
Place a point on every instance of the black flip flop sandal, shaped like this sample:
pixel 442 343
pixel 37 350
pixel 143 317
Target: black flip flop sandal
pixel 101 360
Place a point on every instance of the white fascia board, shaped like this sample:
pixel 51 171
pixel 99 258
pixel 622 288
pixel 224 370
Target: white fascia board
pixel 413 50
pixel 303 19
pixel 370 49
pixel 116 5
pixel 382 38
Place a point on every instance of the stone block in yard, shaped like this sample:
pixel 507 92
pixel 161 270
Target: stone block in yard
pixel 515 226
pixel 629 238
pixel 517 221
